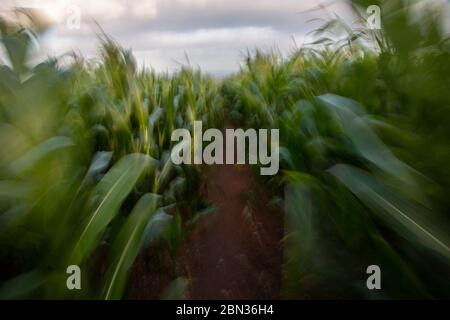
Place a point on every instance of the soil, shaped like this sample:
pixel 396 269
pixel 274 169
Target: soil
pixel 235 253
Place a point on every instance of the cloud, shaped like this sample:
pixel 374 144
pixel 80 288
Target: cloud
pixel 181 15
pixel 211 32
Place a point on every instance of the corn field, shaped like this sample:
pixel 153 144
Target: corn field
pixel 86 177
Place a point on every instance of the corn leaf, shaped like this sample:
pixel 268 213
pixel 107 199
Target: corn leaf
pixel 127 245
pixel 109 195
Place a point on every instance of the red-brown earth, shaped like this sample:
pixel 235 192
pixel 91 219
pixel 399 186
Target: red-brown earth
pixel 235 253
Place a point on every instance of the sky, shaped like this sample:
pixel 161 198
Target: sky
pixel 213 34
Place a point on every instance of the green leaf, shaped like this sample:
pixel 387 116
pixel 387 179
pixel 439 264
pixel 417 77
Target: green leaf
pixel 366 142
pixel 127 245
pixel 38 153
pixel 175 189
pixel 155 116
pixel 109 194
pixel 99 163
pixel 176 290
pixel 158 224
pixel 17 46
pixel 23 285
pixel 399 213
pixel 167 171
pixel 200 214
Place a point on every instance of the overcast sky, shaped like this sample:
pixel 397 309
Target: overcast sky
pixel 212 33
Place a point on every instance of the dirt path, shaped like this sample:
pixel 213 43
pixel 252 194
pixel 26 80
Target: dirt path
pixel 236 253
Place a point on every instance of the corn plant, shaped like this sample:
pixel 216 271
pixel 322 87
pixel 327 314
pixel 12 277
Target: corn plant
pixel 85 165
pixel 355 113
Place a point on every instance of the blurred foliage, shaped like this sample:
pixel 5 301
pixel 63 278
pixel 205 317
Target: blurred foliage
pixel 85 167
pixel 364 152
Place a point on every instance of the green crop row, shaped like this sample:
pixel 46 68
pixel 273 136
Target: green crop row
pixel 85 166
pixel 364 149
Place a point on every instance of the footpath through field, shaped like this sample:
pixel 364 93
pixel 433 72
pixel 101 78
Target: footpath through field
pixel 236 253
